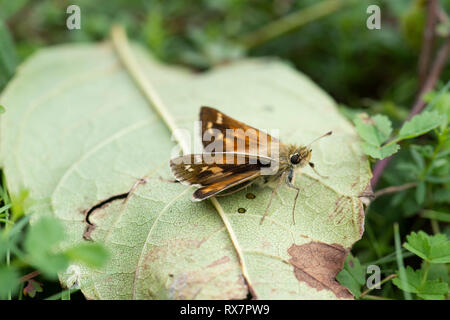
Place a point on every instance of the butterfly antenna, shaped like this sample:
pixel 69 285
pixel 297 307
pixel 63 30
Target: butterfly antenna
pixel 325 135
pixel 314 169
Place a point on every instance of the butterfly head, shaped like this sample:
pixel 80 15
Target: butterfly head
pixel 300 157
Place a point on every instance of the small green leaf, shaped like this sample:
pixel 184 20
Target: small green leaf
pixel 430 289
pixel 352 276
pixel 434 249
pixel 380 152
pixel 93 255
pixel 374 130
pixel 2 109
pixel 40 244
pixel 43 235
pixel 420 124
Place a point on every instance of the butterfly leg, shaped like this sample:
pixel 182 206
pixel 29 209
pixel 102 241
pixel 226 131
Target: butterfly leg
pixel 271 197
pixel 289 181
pixel 312 167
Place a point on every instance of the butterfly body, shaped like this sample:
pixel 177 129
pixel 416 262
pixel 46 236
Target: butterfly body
pixel 238 156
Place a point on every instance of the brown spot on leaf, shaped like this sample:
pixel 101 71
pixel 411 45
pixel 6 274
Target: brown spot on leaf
pixel 317 264
pixel 88 231
pixel 351 263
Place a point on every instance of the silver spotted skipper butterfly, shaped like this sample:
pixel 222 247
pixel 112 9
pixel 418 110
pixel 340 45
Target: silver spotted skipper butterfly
pixel 238 156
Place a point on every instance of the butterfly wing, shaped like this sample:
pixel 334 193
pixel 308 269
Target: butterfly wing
pixel 236 136
pixel 214 175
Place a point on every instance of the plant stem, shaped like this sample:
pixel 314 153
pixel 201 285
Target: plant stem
pixel 390 257
pixel 290 22
pixel 392 276
pixel 30 276
pixel 428 40
pixel 425 274
pixel 401 267
pixel 394 189
pixel 436 215
pixel 122 47
pixel 435 226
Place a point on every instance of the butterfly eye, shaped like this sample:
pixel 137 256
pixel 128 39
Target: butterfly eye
pixel 295 158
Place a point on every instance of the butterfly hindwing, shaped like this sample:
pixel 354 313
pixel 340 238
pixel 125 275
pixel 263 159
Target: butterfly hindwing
pixel 226 183
pixel 215 174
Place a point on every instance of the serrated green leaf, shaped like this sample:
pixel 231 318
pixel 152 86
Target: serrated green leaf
pixel 87 134
pixel 380 152
pixel 374 130
pixel 420 124
pixel 429 289
pixel 434 249
pixel 353 275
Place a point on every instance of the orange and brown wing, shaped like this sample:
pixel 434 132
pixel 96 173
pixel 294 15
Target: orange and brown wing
pixel 214 175
pixel 236 135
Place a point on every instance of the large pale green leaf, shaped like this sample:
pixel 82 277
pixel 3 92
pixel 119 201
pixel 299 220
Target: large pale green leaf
pixel 77 131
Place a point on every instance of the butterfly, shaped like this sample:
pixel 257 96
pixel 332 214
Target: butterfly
pixel 238 156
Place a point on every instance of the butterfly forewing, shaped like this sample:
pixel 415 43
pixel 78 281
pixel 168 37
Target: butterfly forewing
pixel 234 136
